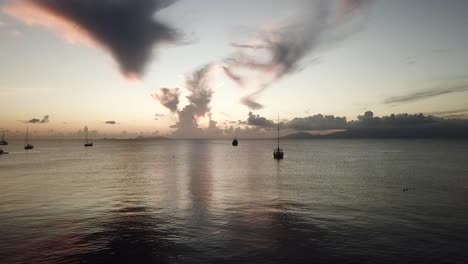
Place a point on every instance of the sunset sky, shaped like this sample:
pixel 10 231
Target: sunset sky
pixel 385 56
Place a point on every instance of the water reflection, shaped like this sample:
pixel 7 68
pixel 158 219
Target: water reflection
pixel 199 174
pixel 196 202
pixel 130 235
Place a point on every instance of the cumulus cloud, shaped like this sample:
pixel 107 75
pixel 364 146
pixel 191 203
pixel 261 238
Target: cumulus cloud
pixel 317 122
pixel 200 95
pixel 259 121
pixel 169 98
pixel 368 120
pixel 128 29
pixel 417 96
pixel 44 120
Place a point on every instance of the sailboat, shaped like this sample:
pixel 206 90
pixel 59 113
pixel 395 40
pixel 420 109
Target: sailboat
pixel 3 142
pixel 235 142
pixel 87 142
pixel 278 153
pixel 27 146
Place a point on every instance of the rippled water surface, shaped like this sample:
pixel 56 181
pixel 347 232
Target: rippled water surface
pixel 208 202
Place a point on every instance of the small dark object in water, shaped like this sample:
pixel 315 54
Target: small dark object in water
pixel 278 153
pixel 87 142
pixel 28 147
pixel 3 142
pixel 235 142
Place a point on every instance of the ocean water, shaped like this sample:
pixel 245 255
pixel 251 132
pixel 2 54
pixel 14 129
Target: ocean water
pixel 204 201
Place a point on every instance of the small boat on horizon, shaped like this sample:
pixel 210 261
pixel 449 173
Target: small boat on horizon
pixel 278 153
pixel 27 145
pixel 235 142
pixel 87 142
pixel 3 142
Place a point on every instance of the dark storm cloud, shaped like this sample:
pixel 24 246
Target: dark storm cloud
pixel 169 98
pixel 111 123
pixel 127 28
pixel 44 120
pixel 412 97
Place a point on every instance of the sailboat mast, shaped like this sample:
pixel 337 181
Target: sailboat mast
pixel 27 136
pixel 278 130
pixel 86 134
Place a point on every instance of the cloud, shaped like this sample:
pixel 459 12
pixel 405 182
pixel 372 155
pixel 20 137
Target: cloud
pixel 44 120
pixel 317 122
pixel 279 51
pixel 111 123
pixel 417 96
pixel 168 97
pixel 213 130
pixel 455 114
pixel 258 121
pixel 250 103
pixel 450 112
pixel 199 86
pixel 368 120
pixel 233 76
pixel 158 116
pixel 127 29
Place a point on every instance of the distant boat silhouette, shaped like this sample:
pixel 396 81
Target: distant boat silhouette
pixel 3 142
pixel 235 142
pixel 278 153
pixel 27 146
pixel 87 142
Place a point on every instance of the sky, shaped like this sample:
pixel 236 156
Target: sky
pixel 67 64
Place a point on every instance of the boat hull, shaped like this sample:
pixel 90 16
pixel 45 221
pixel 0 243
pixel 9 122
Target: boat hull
pixel 278 154
pixel 28 147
